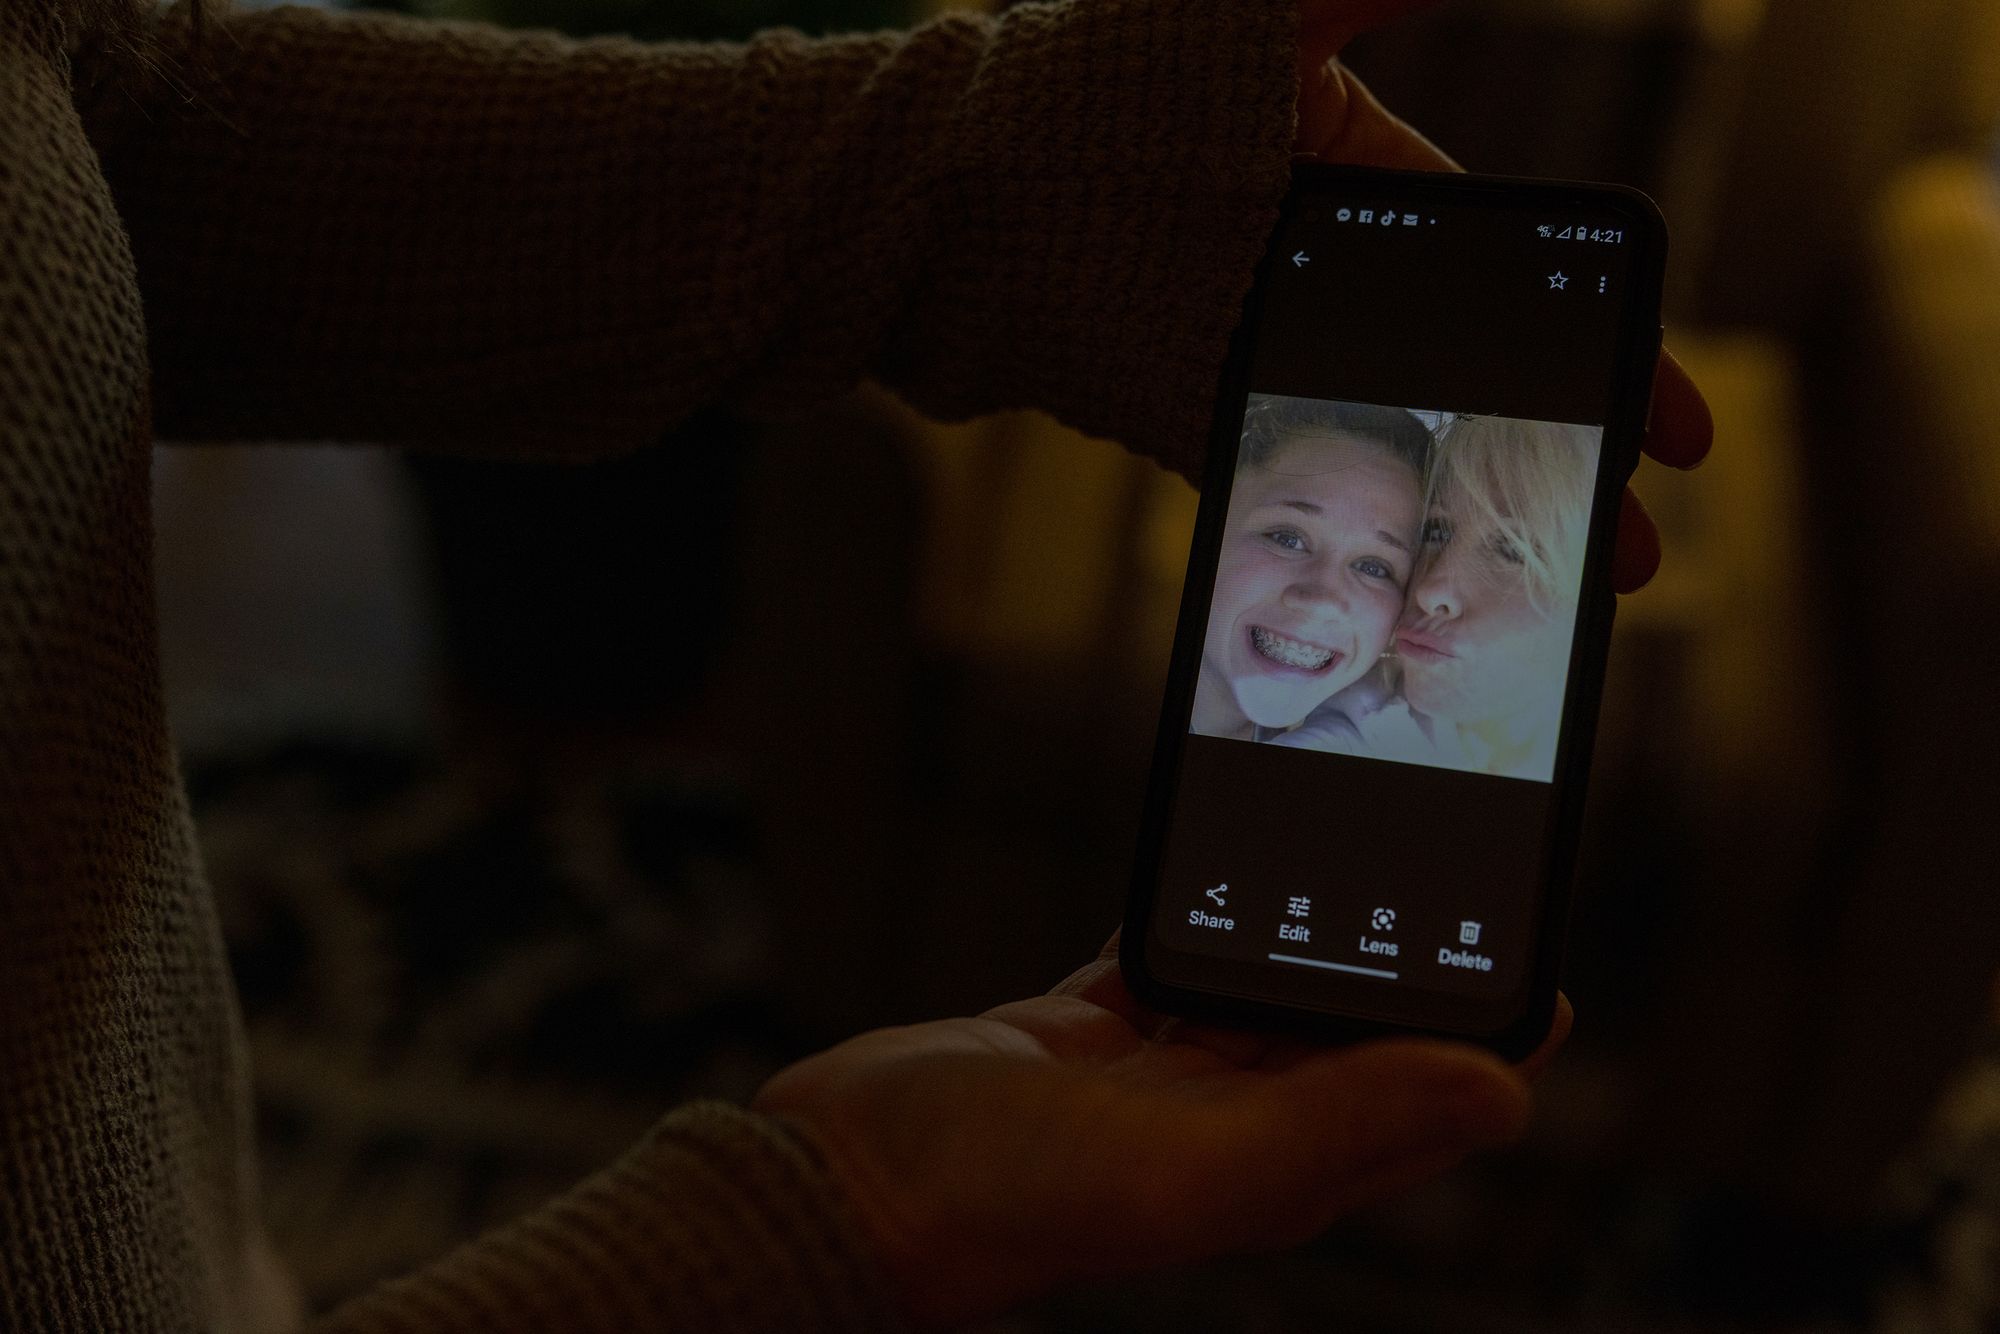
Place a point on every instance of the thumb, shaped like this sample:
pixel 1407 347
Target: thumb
pixel 1383 1101
pixel 1336 1130
pixel 1340 121
pixel 1268 1157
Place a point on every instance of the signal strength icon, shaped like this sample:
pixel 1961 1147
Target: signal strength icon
pixel 1563 235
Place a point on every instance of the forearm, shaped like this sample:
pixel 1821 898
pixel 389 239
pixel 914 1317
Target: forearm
pixel 384 229
pixel 381 229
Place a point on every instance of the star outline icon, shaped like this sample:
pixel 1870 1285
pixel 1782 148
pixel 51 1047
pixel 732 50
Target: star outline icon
pixel 1558 281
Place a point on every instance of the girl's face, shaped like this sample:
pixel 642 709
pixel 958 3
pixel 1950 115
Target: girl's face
pixel 1316 552
pixel 1474 647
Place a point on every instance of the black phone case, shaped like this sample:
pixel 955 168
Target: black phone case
pixel 1638 354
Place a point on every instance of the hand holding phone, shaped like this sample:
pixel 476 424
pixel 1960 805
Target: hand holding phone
pixel 1079 1136
pixel 1370 765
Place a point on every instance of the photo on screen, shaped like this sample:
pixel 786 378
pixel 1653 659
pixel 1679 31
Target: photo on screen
pixel 1398 583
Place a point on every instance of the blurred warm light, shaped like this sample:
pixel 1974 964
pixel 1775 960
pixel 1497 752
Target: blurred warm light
pixel 1937 242
pixel 1732 585
pixel 1048 546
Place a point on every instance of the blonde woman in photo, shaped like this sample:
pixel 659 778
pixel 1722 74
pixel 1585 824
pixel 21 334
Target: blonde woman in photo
pixel 1482 651
pixel 1475 677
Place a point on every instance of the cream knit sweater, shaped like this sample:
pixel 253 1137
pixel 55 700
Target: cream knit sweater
pixel 371 229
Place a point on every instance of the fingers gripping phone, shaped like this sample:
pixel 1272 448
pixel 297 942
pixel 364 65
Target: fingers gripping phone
pixel 1370 767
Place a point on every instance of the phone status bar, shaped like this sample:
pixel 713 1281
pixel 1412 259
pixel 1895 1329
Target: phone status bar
pixel 1564 271
pixel 1580 231
pixel 1380 215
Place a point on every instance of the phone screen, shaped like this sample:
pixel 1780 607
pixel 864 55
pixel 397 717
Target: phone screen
pixel 1369 766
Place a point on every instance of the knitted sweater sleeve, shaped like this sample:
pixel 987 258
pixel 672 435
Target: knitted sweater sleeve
pixel 370 228
pixel 719 1221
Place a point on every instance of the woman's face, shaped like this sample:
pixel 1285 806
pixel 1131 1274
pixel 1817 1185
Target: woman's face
pixel 1473 646
pixel 1316 553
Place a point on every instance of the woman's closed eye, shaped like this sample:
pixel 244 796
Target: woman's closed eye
pixel 1438 533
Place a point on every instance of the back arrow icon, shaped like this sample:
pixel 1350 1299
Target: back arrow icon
pixel 1300 260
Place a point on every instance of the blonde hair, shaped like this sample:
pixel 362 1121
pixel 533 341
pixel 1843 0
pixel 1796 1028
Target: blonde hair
pixel 1529 484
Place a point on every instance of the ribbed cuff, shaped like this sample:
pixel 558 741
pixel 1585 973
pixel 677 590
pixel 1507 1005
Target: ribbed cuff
pixel 720 1220
pixel 1120 167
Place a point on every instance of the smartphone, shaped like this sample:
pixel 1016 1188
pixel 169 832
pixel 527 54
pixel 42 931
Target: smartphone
pixel 1370 767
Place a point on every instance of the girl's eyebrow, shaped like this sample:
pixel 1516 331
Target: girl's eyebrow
pixel 1307 507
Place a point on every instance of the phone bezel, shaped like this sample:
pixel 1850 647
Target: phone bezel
pixel 1525 1017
